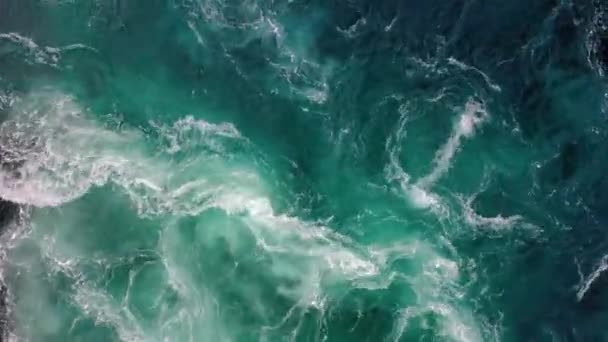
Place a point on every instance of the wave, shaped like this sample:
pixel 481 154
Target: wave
pixel 185 229
pixel 58 154
pixel 64 154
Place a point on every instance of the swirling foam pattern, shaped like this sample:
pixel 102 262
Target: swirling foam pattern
pixel 261 170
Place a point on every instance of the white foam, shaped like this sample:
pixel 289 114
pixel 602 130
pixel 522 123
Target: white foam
pixel 455 327
pixel 318 243
pixel 463 66
pixel 499 221
pixel 60 154
pixel 92 301
pixel 592 41
pixel 474 219
pixel 197 34
pixel 290 60
pixel 389 27
pixel 422 198
pixel 34 53
pixel 148 184
pixel 102 308
pixel 402 323
pixel 586 283
pixel 416 195
pixel 455 324
pixel 352 30
pixel 198 314
pixel 309 254
pixel 73 154
pixel 437 291
pixel 474 115
pixel 188 132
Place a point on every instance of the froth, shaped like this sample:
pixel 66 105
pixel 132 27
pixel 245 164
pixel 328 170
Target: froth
pixel 418 193
pixel 473 116
pixel 587 282
pixel 498 222
pixel 57 153
pixel 189 132
pixel 34 53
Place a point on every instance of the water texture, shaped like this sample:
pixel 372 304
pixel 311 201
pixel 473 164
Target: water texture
pixel 303 170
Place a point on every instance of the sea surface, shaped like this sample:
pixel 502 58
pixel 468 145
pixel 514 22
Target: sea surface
pixel 304 170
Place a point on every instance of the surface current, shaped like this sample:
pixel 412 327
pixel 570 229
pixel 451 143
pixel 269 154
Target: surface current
pixel 303 170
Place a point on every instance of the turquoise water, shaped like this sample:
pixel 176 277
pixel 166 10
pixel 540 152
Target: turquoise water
pixel 260 170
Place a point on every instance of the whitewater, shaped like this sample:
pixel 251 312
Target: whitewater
pixel 217 170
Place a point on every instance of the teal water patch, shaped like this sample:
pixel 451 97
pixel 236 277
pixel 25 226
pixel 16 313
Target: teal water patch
pixel 203 170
